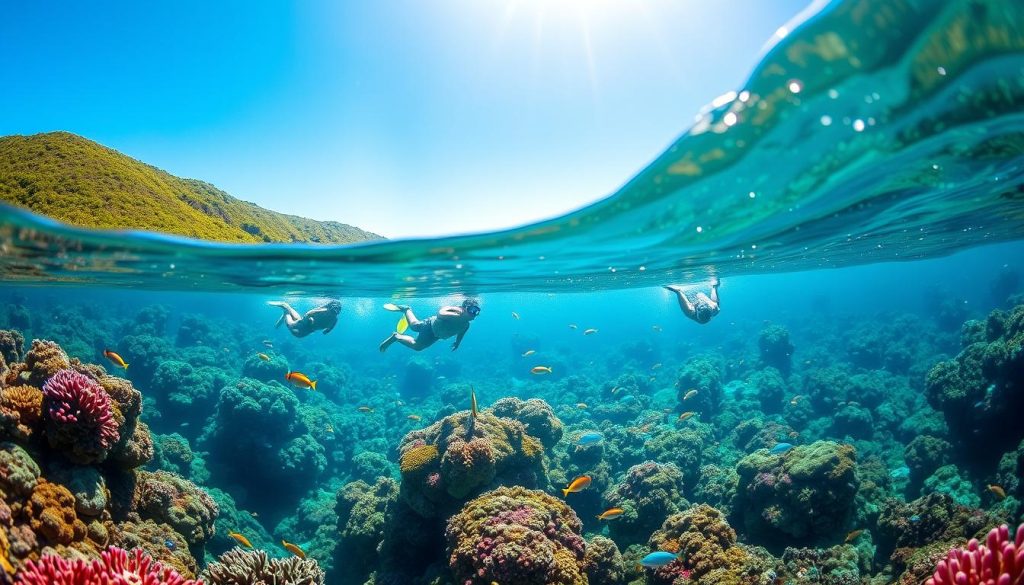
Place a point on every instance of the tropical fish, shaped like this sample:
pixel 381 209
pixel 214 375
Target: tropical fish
pixel 793 434
pixel 364 409
pixel 528 353
pixel 301 380
pixel 115 359
pixel 852 535
pixel 414 417
pixel 170 544
pixel 472 401
pixel 627 398
pixel 998 490
pixel 659 559
pixel 615 390
pixel 540 370
pixel 685 415
pixel 577 485
pixel 611 514
pixel 656 366
pixel 690 394
pixel 515 315
pixel 402 325
pixel 295 550
pixel 795 400
pixel 590 438
pixel 915 518
pixel 590 331
pixel 263 357
pixel 328 428
pixel 581 405
pixel 268 344
pixel 780 448
pixel 241 539
pixel 572 326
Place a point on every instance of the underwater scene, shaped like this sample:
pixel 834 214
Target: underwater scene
pixel 789 351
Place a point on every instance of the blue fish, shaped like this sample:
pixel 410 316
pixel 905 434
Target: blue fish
pixel 591 438
pixel 627 398
pixel 781 448
pixel 170 545
pixel 915 518
pixel 659 559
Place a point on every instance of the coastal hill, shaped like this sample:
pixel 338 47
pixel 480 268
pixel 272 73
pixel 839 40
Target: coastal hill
pixel 77 181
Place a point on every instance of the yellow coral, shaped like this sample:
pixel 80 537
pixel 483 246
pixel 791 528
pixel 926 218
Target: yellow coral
pixel 417 458
pixel 52 514
pixel 532 447
pixel 27 401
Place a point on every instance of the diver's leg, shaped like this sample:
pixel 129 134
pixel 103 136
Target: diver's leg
pixel 714 292
pixel 684 303
pixel 414 323
pixel 384 345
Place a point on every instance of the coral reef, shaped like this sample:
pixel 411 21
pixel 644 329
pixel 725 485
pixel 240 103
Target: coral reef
pixel 648 494
pixel 165 497
pixel 238 566
pixel 998 560
pixel 114 566
pixel 535 414
pixel 79 417
pixel 776 349
pixel 516 535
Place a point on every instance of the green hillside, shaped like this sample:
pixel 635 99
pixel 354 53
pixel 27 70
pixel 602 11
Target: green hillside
pixel 77 181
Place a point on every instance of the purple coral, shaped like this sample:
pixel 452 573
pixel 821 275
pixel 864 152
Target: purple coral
pixel 81 418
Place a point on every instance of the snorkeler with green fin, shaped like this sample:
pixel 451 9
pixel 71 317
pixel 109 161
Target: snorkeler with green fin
pixel 448 322
pixel 325 318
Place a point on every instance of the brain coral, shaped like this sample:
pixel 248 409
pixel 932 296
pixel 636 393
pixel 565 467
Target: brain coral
pixel 516 535
pixel 159 541
pixel 709 550
pixel 458 456
pixel 114 567
pixel 805 493
pixel 649 493
pixel 165 497
pixel 51 512
pixel 244 567
pixel 535 414
pixel 604 562
pixel 80 418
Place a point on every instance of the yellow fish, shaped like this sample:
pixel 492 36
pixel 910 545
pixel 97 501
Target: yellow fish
pixel 590 331
pixel 414 417
pixel 998 491
pixel 293 549
pixel 241 539
pixel 328 428
pixel 852 536
pixel 686 415
pixel 581 405
pixel 611 514
pixel 540 370
pixel 472 401
pixel 528 353
pixel 515 315
pixel 577 485
pixel 690 394
pixel 300 379
pixel 115 359
pixel 365 409
pixel 263 357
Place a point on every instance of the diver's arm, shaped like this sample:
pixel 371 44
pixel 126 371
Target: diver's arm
pixel 458 339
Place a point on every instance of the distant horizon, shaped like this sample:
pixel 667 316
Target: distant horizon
pixel 450 119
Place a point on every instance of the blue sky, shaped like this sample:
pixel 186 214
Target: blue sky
pixel 407 117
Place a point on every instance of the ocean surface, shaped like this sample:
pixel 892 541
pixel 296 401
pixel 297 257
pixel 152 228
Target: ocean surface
pixel 851 414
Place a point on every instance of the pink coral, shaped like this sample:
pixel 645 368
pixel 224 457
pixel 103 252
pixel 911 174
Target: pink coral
pixel 116 566
pixel 80 415
pixel 997 562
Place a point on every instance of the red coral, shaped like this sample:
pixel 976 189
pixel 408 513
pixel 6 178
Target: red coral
pixel 81 416
pixel 116 566
pixel 999 561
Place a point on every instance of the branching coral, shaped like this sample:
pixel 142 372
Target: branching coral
pixel 516 535
pixel 21 409
pixel 254 567
pixel 114 567
pixel 999 561
pixel 80 418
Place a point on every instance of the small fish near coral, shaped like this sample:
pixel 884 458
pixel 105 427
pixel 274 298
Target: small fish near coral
pixel 591 438
pixel 611 514
pixel 294 549
pixel 577 485
pixel 540 370
pixel 659 559
pixel 242 540
pixel 115 359
pixel 301 380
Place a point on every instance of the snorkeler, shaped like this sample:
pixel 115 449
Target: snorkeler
pixel 325 317
pixel 449 321
pixel 702 308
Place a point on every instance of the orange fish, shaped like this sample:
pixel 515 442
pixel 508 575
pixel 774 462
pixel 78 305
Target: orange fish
pixel 115 359
pixel 578 485
pixel 998 491
pixel 852 536
pixel 686 415
pixel 590 331
pixel 263 357
pixel 241 539
pixel 611 514
pixel 365 409
pixel 690 394
pixel 293 549
pixel 300 379
pixel 528 353
pixel 540 370
pixel 414 417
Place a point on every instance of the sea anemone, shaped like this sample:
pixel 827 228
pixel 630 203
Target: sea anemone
pixel 81 418
pixel 115 566
pixel 999 561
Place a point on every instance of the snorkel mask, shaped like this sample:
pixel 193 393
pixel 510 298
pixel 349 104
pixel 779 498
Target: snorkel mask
pixel 471 307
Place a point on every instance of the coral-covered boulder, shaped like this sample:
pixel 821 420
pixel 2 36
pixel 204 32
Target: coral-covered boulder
pixel 362 515
pixel 709 553
pixel 703 375
pixel 770 388
pixel 51 513
pixel 43 361
pixel 159 541
pixel 21 411
pixel 177 502
pixel 776 349
pixel 797 496
pixel 648 494
pixel 604 563
pixel 516 535
pixel 460 456
pixel 535 414
pixel 19 473
pixel 79 417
